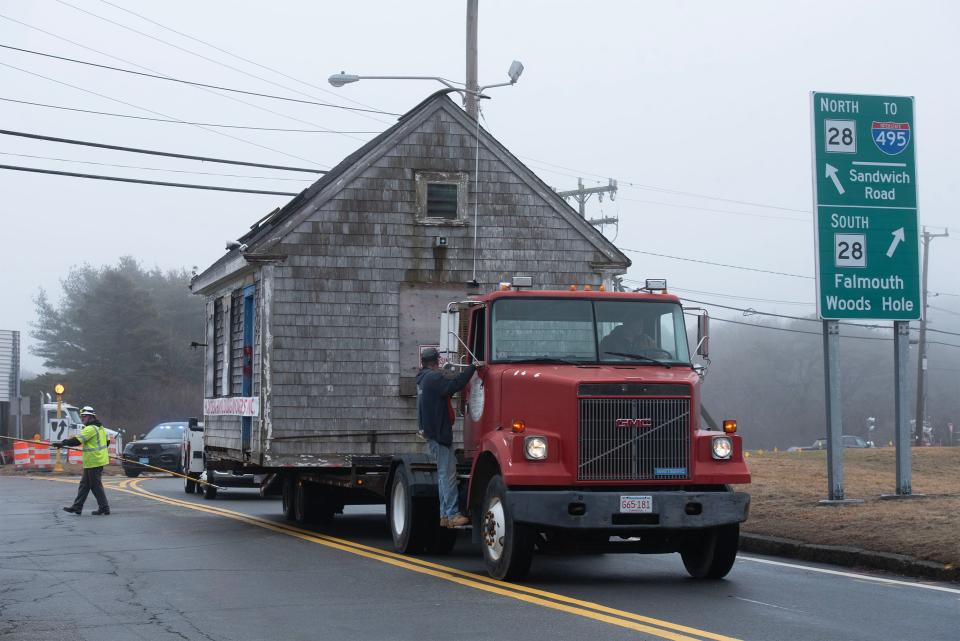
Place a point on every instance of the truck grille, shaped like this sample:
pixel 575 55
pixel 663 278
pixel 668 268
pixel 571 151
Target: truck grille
pixel 652 441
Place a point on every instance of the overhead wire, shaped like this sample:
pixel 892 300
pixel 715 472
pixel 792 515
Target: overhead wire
pixel 153 152
pixel 707 262
pixel 130 104
pixel 145 182
pixel 191 82
pixel 139 66
pixel 237 56
pixel 176 171
pixel 198 55
pixel 184 122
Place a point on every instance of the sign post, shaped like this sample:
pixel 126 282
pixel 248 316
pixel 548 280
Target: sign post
pixel 866 239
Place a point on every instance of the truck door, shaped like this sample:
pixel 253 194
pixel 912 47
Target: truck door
pixel 474 393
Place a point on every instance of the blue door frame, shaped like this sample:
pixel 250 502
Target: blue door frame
pixel 249 294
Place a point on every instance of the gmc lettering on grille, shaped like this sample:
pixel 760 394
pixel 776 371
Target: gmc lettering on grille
pixel 634 422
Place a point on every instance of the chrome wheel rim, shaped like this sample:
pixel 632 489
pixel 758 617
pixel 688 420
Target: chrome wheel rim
pixel 398 514
pixel 494 529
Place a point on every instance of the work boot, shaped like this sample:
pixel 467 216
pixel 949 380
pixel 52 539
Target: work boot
pixel 458 521
pixel 73 510
pixel 101 511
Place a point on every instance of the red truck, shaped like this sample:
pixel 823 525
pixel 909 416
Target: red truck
pixel 583 433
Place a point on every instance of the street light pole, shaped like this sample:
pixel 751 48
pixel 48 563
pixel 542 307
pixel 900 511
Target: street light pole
pixel 922 344
pixel 470 97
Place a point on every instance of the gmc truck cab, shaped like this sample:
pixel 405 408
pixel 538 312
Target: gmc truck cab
pixel 583 432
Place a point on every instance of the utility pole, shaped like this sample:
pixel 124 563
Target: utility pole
pixel 582 194
pixel 922 344
pixel 473 87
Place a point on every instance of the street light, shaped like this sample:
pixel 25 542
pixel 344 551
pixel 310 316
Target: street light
pixel 516 69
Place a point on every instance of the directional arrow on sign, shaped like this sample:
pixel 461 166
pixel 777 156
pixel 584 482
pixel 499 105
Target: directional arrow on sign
pixel 898 237
pixel 832 175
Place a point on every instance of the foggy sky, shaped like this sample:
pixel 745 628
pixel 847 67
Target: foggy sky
pixel 703 97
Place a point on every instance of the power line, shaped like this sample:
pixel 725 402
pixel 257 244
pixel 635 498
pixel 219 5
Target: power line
pixel 130 104
pixel 185 122
pixel 732 296
pixel 145 182
pixel 130 62
pixel 638 185
pixel 707 262
pixel 137 150
pixel 719 211
pixel 176 171
pixel 193 83
pixel 203 57
pixel 237 56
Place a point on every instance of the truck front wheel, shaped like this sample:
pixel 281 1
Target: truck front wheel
pixel 507 545
pixel 712 554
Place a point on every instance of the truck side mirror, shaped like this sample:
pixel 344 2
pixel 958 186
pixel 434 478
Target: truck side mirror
pixel 193 425
pixel 703 335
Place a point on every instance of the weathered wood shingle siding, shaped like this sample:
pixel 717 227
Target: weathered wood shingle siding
pixel 336 352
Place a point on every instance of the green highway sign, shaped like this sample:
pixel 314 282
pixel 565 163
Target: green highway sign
pixel 865 204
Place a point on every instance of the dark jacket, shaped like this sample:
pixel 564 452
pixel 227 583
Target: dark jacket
pixel 434 389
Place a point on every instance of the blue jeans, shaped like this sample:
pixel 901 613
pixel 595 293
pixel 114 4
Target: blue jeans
pixel 447 477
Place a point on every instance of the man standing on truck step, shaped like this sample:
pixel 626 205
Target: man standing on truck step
pixel 435 415
pixel 93 438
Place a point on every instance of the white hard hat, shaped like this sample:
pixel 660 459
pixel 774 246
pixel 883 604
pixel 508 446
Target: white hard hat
pixel 86 410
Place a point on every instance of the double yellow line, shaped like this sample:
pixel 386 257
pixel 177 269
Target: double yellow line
pixel 587 609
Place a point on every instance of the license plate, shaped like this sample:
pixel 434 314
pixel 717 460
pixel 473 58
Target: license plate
pixel 144 460
pixel 636 504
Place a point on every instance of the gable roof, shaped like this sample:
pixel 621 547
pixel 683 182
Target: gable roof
pixel 271 229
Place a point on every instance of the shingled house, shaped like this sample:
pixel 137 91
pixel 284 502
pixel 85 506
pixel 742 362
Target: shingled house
pixel 315 322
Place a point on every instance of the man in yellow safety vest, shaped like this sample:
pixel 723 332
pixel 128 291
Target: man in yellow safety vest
pixel 93 438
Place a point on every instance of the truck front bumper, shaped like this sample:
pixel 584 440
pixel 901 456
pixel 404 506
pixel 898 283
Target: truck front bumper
pixel 569 509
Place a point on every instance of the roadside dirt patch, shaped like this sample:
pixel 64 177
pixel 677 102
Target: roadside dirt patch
pixel 786 488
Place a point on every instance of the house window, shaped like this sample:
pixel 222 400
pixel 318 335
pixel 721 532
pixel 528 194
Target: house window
pixel 441 197
pixel 218 345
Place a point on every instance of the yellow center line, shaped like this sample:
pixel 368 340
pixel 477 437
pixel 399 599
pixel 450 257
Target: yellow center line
pixel 536 596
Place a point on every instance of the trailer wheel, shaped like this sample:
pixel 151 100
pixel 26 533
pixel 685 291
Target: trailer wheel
pixel 209 489
pixel 287 497
pixel 507 545
pixel 411 520
pixel 714 552
pixel 304 509
pixel 190 483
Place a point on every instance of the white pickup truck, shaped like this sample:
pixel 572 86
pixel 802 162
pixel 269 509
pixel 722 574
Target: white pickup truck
pixel 193 463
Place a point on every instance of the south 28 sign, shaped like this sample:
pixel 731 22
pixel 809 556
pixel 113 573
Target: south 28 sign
pixel 890 137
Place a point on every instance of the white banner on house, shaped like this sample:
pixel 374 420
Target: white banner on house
pixel 232 406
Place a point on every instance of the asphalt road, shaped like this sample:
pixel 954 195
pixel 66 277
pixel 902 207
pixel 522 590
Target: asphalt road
pixel 166 565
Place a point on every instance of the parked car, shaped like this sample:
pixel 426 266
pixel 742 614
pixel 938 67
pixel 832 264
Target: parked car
pixel 848 441
pixel 160 447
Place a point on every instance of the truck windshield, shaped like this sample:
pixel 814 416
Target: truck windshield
pixel 588 331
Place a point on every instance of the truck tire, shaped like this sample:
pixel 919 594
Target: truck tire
pixel 209 489
pixel 287 496
pixel 412 522
pixel 507 545
pixel 190 483
pixel 713 554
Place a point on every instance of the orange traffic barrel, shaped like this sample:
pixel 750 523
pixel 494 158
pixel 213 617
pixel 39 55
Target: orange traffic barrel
pixel 21 455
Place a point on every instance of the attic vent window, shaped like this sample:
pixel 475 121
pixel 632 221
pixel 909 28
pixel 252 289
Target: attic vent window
pixel 442 200
pixel 441 197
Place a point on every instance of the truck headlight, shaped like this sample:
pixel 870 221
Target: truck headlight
pixel 535 448
pixel 722 447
